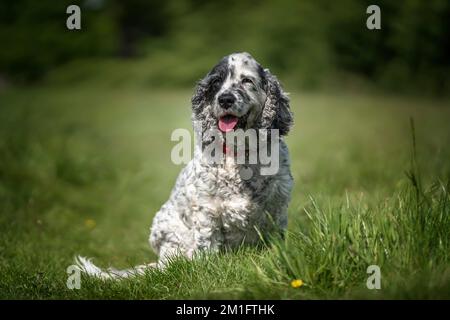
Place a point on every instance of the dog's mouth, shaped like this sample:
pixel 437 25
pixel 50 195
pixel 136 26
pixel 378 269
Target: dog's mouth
pixel 228 122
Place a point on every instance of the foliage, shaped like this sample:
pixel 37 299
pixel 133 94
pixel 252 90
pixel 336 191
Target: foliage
pixel 84 168
pixel 309 43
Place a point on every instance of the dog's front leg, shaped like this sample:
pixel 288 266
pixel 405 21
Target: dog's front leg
pixel 207 234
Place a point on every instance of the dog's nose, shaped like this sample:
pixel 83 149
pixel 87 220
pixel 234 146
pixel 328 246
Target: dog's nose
pixel 226 100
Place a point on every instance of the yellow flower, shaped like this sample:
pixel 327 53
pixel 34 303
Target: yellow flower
pixel 297 283
pixel 89 223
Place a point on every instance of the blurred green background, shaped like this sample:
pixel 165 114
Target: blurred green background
pixel 309 44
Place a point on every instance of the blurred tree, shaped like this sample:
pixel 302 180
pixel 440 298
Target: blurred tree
pixel 420 41
pixel 137 19
pixel 306 42
pixel 35 39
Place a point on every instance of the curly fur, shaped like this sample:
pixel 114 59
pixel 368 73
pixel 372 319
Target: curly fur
pixel 212 206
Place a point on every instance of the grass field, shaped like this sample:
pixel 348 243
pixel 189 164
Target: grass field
pixel 84 169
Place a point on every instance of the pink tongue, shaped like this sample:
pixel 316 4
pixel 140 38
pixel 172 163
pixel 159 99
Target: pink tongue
pixel 227 123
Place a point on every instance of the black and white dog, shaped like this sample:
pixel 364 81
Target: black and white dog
pixel 224 204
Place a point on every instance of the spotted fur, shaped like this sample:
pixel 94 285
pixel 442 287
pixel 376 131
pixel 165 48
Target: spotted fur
pixel 213 205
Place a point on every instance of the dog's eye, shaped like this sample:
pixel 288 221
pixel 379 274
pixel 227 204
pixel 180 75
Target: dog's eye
pixel 247 81
pixel 215 84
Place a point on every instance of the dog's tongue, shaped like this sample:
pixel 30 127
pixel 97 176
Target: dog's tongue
pixel 227 123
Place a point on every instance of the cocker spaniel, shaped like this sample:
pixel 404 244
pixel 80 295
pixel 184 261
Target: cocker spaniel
pixel 225 203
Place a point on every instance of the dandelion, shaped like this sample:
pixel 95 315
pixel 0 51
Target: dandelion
pixel 297 283
pixel 90 223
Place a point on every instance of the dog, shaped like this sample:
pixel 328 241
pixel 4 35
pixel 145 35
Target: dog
pixel 221 205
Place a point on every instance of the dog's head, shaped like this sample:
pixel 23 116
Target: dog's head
pixel 239 94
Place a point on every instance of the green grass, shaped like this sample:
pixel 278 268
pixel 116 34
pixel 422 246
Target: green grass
pixel 84 169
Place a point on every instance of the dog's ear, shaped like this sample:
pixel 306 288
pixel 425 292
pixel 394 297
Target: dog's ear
pixel 276 113
pixel 203 122
pixel 209 85
pixel 199 98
